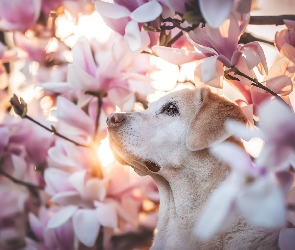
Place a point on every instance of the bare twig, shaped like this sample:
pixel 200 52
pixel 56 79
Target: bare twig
pixel 17 181
pixel 174 39
pixel 248 37
pixel 270 20
pixel 254 83
pixel 54 132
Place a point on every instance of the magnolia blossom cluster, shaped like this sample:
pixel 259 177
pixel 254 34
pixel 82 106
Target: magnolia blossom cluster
pixel 55 191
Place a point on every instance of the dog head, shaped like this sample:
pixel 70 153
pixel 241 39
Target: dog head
pixel 166 134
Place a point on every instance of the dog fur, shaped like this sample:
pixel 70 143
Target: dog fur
pixel 169 141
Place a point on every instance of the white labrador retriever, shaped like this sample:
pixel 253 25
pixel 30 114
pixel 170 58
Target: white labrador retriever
pixel 169 141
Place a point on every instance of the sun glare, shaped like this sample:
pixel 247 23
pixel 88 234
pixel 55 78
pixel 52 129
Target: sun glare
pixel 104 153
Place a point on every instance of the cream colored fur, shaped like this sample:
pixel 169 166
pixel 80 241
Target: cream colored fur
pixel 185 172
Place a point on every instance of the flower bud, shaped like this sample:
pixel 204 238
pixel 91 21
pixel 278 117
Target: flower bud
pixel 19 106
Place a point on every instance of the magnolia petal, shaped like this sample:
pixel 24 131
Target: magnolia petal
pixel 80 79
pixel 129 210
pixel 240 163
pixel 62 216
pixel 263 203
pixel 287 239
pixel 77 179
pixel 210 71
pixel 177 5
pixel 36 226
pixel 225 39
pixel 289 23
pixel 117 25
pixel 274 116
pixel 15 17
pixel 258 96
pixel 58 87
pixel 254 54
pixel 67 198
pixel 177 56
pixel 72 114
pixel 285 180
pixel 211 222
pixel 240 130
pixel 147 12
pixel 86 226
pixel 215 12
pixel 141 86
pixel 288 50
pixel 280 84
pixel 132 36
pixel 283 66
pixel 82 56
pixel 111 10
pixel 95 189
pixel 19 165
pixel 167 12
pixel 242 66
pixel 58 156
pixel 107 214
pixel 248 112
pixel 56 181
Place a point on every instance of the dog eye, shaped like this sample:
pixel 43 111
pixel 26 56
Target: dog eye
pixel 170 109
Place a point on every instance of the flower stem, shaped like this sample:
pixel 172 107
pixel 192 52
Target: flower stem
pixel 174 39
pixel 17 181
pixel 270 20
pixel 255 83
pixel 54 132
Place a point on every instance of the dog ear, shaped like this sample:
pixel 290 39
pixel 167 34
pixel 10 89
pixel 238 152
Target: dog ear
pixel 207 125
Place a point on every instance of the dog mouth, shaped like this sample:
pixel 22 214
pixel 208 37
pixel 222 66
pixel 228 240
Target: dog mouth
pixel 116 149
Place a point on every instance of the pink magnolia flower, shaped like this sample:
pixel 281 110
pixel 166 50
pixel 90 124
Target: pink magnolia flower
pixel 249 191
pixel 279 80
pixel 50 238
pixel 127 18
pixel 19 15
pixel 79 126
pixel 214 12
pixel 12 215
pixel 38 48
pixel 287 235
pixel 285 39
pixel 277 131
pixel 115 75
pixel 90 196
pixel 216 49
pixel 23 148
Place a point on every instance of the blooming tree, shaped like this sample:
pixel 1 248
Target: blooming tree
pixel 58 85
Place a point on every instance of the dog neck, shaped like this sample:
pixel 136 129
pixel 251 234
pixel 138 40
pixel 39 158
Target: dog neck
pixel 183 193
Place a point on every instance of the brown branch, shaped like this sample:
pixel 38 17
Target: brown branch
pixel 270 20
pixel 174 39
pixel 255 83
pixel 99 97
pixel 248 37
pixel 17 181
pixel 54 132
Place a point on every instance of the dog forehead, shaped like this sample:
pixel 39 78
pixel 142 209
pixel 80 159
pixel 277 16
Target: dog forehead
pixel 184 96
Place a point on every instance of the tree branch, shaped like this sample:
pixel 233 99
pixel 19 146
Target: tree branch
pixel 17 181
pixel 255 83
pixel 174 39
pixel 270 20
pixel 248 37
pixel 54 132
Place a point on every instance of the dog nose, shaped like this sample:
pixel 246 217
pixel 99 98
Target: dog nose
pixel 115 119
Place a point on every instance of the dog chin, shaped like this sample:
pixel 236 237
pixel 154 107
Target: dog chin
pixel 130 160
